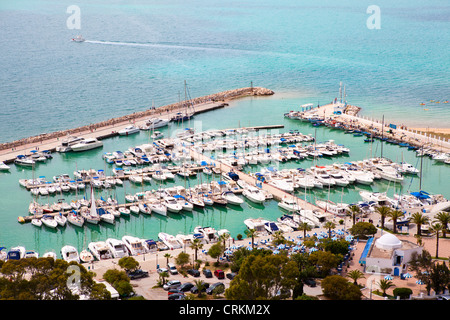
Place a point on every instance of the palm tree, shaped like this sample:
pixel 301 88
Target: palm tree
pixel 383 211
pixel 395 215
pixel 354 211
pixel 384 285
pixel 355 275
pixel 200 284
pixel 251 233
pixel 444 219
pixel 329 225
pixel 419 219
pixel 304 226
pixel 167 256
pixel 196 245
pixel 224 237
pixel 436 228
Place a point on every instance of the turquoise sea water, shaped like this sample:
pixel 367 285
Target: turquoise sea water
pixel 140 53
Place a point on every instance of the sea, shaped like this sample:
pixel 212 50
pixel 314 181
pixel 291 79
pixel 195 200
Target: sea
pixel 393 61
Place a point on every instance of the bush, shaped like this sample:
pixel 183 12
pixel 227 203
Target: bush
pixel 239 236
pixel 403 293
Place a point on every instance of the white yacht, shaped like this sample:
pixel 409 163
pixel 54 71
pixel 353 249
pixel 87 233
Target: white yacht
pixel 257 225
pixel 87 144
pixel 232 198
pixel 134 245
pixel 389 173
pixel 157 135
pixel 100 250
pixel 209 233
pixel 67 143
pixel 289 204
pixel 4 167
pixel 154 123
pixel 131 129
pixel 69 253
pixel 172 204
pixel 159 175
pixel 169 240
pixel 117 248
pixel 158 207
pixel 22 160
pixel 254 194
pixel 379 197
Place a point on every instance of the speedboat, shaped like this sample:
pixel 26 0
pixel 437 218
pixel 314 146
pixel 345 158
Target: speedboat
pixel 134 245
pixel 87 144
pixel 289 204
pixel 16 253
pixel 50 254
pixel 154 123
pixel 69 253
pixel 379 198
pixel 21 160
pixel 209 233
pixel 100 250
pixel 254 194
pixel 117 248
pixel 157 135
pixel 172 204
pixel 78 38
pixel 31 254
pixel 231 198
pixel 86 256
pixel 131 129
pixel 3 166
pixel 67 144
pixel 169 240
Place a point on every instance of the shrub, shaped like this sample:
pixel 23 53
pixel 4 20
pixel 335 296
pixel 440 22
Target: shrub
pixel 403 293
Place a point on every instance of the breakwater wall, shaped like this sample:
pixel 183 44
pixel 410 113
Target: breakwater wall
pixel 159 111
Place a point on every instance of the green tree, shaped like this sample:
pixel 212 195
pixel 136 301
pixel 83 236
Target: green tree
pixel 196 245
pixel 251 233
pixel 355 275
pixel 329 225
pixel 119 280
pixel 363 229
pixel 182 259
pixel 216 250
pixel 325 261
pixel 128 263
pixel 167 256
pixel 444 219
pixel 338 288
pixel 419 219
pixel 384 285
pixel 436 228
pixel 383 211
pixel 354 212
pixel 305 227
pixel 422 265
pixel 395 215
pixel 200 284
pixel 262 277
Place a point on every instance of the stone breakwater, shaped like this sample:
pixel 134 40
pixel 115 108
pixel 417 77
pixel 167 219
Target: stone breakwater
pixel 174 107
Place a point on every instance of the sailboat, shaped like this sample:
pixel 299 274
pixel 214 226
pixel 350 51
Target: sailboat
pixel 180 116
pixel 90 215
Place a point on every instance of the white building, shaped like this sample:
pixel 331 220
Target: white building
pixel 387 254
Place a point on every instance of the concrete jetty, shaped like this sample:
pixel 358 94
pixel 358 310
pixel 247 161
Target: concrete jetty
pixel 109 128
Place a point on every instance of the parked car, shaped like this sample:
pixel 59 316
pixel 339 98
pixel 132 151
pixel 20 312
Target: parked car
pixel 172 268
pixel 136 274
pixel 219 274
pixel 173 291
pixel 443 297
pixel 231 275
pixel 214 286
pixel 194 289
pixel 185 287
pixel 176 296
pixel 207 273
pixel 172 284
pixel 194 272
pixel 310 282
pixel 161 270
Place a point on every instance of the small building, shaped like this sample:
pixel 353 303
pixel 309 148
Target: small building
pixel 388 254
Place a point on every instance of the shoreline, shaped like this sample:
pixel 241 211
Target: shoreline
pixel 107 128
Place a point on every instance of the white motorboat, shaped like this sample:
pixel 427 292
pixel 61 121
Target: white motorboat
pixel 334 208
pixel 31 254
pixel 209 233
pixel 117 248
pixel 75 219
pixel 154 123
pixel 100 250
pixel 157 135
pixel 185 205
pixel 172 204
pixel 339 179
pixel 70 253
pixel 134 245
pixel 169 175
pixel 389 173
pixel 124 211
pixel 289 204
pixel 379 198
pixel 159 175
pixel 86 256
pixel 4 167
pixel 128 130
pixel 254 194
pixel 67 144
pixel 21 160
pixel 257 225
pixel 49 221
pixel 408 168
pixel 282 184
pixel 138 179
pixel 232 198
pixel 16 253
pixel 362 177
pixel 106 216
pixel 78 38
pixel 50 254
pixel 60 220
pixel 169 240
pixel 87 144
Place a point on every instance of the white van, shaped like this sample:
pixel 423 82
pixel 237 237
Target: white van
pixel 172 268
